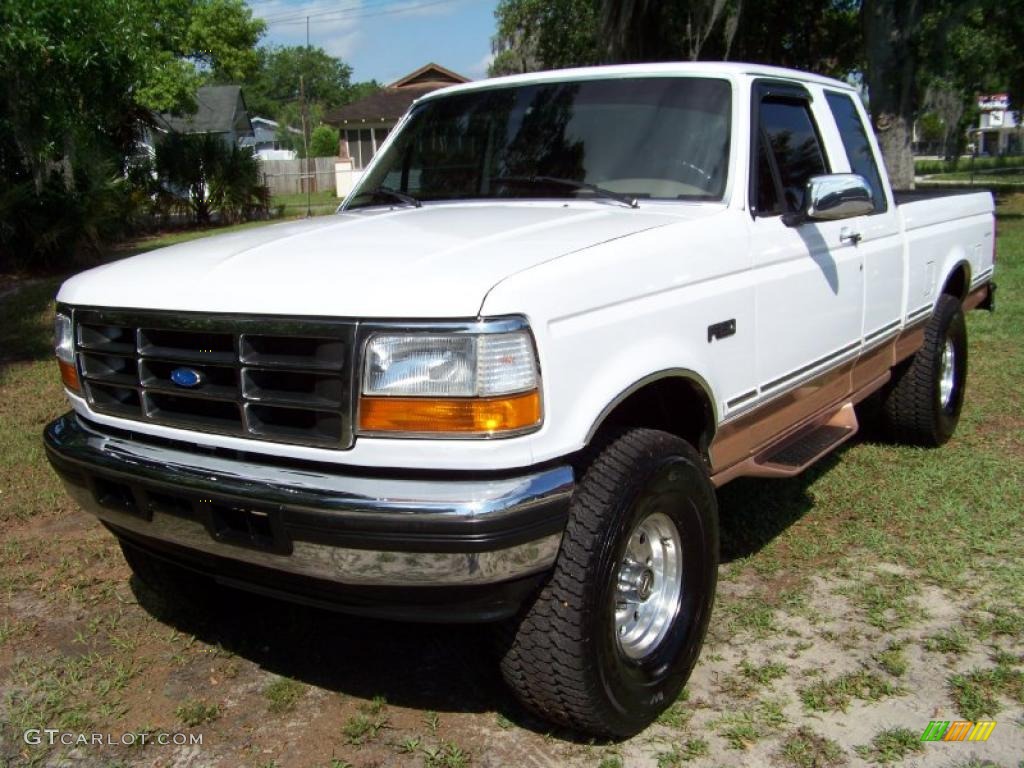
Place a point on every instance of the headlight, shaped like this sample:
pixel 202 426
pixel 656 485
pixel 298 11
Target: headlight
pixel 64 348
pixel 460 384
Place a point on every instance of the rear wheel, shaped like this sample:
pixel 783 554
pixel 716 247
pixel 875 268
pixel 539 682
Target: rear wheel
pixel 922 407
pixel 611 639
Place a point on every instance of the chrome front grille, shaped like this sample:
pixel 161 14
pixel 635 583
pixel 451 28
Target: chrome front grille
pixel 261 378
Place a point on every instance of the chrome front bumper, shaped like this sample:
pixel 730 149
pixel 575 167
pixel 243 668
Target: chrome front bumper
pixel 309 520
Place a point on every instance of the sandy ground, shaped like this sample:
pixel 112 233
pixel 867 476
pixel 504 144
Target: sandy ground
pixel 439 699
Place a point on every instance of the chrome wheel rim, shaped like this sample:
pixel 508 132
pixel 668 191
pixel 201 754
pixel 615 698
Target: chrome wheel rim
pixel 947 374
pixel 649 585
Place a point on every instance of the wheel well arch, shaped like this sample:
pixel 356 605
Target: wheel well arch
pixel 677 401
pixel 958 281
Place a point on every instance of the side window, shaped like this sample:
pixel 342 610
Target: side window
pixel 767 189
pixel 856 144
pixel 793 147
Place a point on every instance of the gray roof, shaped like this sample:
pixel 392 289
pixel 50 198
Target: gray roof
pixel 219 109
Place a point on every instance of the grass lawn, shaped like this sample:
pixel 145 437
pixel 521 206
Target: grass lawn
pixel 878 591
pixel 995 165
pixel 980 178
pixel 320 203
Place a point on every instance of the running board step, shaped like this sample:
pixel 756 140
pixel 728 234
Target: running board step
pixel 797 452
pixel 800 453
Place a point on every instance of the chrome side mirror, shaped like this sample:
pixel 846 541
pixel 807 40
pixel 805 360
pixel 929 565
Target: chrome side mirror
pixel 833 197
pixel 838 196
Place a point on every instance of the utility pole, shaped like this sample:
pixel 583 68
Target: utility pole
pixel 305 142
pixel 305 118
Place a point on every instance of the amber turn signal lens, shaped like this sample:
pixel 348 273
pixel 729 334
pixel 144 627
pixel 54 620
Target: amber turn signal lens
pixel 466 415
pixel 69 375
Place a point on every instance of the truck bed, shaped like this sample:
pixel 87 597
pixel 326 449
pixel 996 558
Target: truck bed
pixel 904 196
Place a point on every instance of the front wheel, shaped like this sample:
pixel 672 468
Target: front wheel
pixel 611 639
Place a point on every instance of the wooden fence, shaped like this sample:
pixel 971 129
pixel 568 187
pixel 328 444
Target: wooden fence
pixel 290 177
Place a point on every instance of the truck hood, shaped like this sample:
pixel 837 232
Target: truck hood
pixel 430 262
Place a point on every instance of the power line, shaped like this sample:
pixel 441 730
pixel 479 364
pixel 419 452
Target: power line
pixel 354 14
pixel 342 9
pixel 295 14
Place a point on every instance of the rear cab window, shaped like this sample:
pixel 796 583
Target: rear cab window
pixel 855 140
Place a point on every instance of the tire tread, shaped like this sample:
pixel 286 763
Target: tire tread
pixel 910 408
pixel 546 660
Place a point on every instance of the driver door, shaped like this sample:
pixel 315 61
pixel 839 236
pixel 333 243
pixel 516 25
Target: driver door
pixel 810 282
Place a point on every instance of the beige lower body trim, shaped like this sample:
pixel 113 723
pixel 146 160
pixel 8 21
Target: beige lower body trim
pixel 738 443
pixel 742 437
pixel 761 464
pixel 975 297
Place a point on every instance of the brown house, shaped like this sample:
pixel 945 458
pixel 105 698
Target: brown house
pixel 364 124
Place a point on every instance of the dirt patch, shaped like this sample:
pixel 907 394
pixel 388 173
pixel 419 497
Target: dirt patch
pixel 376 693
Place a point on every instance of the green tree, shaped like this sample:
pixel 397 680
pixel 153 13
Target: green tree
pixel 821 36
pixel 976 50
pixel 210 175
pixel 275 83
pixel 958 46
pixel 651 30
pixel 893 53
pixel 931 128
pixel 274 90
pixel 190 41
pixel 361 90
pixel 78 82
pixel 323 142
pixel 291 116
pixel 544 34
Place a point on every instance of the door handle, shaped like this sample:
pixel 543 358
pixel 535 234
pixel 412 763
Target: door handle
pixel 849 235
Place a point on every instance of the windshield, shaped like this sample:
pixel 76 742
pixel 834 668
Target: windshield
pixel 635 138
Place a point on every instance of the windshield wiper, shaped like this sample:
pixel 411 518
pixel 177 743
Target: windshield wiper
pixel 573 184
pixel 401 197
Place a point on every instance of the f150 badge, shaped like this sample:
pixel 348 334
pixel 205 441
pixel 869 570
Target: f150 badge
pixel 186 377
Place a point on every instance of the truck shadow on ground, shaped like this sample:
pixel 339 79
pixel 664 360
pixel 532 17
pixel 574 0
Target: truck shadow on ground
pixel 754 511
pixel 444 668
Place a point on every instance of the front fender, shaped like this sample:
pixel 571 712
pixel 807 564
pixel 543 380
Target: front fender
pixel 586 388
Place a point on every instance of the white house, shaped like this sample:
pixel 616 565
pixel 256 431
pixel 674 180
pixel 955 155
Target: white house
pixel 265 142
pixel 999 130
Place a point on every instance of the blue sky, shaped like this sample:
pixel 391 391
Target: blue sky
pixel 385 39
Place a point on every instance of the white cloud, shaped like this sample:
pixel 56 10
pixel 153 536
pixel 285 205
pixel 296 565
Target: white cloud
pixel 478 70
pixel 337 27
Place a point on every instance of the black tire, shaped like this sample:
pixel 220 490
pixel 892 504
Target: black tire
pixel 913 408
pixel 563 658
pixel 170 582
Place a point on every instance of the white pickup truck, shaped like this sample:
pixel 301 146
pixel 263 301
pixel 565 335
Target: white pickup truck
pixel 504 381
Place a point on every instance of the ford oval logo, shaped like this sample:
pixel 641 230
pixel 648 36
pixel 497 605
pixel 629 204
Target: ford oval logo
pixel 186 377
